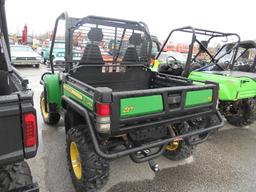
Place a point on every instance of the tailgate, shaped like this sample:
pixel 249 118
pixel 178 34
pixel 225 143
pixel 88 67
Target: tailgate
pixel 150 107
pixel 139 106
pixel 154 105
pixel 144 105
pixel 11 145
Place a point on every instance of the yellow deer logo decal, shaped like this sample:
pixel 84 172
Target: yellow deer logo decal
pixel 128 109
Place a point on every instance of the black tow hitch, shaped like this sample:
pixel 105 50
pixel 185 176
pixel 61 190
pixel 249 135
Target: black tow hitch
pixel 153 166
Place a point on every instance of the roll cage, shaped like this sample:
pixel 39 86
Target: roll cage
pixel 202 45
pixel 74 23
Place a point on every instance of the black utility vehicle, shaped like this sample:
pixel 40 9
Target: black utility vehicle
pixel 18 125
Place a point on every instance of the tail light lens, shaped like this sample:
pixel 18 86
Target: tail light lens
pixel 30 129
pixel 102 109
pixel 103 118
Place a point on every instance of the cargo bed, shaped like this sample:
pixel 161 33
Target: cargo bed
pixel 140 98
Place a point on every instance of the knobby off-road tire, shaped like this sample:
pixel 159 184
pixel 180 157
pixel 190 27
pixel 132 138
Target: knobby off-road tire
pixel 15 177
pixel 204 122
pixel 94 169
pixel 243 113
pixel 184 148
pixel 50 118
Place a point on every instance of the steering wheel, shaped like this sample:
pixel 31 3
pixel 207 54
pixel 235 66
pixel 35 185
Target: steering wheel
pixel 168 59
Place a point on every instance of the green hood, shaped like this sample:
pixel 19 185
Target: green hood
pixel 233 85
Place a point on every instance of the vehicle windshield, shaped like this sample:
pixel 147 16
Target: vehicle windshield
pixel 246 55
pixel 246 59
pixel 21 49
pixel 225 53
pixel 219 49
pixel 222 57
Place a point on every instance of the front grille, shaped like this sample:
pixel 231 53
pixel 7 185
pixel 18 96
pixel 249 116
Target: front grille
pixel 25 58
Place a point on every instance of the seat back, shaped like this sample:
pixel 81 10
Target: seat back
pixel 131 54
pixel 92 53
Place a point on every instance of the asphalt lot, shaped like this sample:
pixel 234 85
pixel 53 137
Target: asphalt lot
pixel 227 162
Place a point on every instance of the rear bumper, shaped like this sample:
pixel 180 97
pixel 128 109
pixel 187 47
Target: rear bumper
pixel 26 62
pixel 129 151
pixel 9 158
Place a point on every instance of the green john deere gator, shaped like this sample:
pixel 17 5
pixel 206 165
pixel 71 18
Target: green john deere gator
pixel 212 56
pixel 115 106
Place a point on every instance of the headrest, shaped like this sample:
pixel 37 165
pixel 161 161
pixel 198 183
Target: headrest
pixel 95 34
pixel 135 39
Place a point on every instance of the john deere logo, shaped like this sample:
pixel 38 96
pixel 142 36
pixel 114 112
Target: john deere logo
pixel 209 98
pixel 128 109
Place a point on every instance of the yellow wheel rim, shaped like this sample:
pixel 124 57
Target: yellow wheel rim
pixel 75 160
pixel 172 146
pixel 43 108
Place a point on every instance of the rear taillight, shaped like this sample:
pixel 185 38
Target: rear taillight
pixel 103 109
pixel 103 117
pixel 30 129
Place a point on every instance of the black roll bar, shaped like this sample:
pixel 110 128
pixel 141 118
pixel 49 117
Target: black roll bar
pixel 78 108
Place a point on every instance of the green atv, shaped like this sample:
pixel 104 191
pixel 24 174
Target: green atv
pixel 115 106
pixel 212 56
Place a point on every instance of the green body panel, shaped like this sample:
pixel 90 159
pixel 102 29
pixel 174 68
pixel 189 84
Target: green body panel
pixel 53 88
pixel 231 88
pixel 199 97
pixel 139 106
pixel 78 96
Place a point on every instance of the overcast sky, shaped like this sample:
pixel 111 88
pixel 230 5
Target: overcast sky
pixel 161 16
